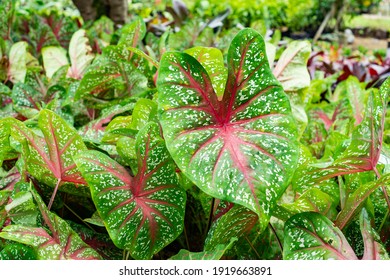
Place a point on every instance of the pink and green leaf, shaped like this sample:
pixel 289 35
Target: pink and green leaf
pixel 242 148
pixel 144 213
pixel 312 236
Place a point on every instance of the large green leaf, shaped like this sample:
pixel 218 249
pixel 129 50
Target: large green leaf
pixel 311 236
pixel 142 214
pixel 133 33
pixel 17 251
pixel 242 148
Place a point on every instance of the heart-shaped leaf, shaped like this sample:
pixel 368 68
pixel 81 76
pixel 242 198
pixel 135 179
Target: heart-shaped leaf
pixel 311 236
pixel 242 148
pixel 142 214
pixel 49 158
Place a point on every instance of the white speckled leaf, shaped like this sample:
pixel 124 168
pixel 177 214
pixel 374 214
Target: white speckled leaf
pixel 132 33
pixel 242 148
pixel 61 243
pixel 142 214
pixel 233 224
pixel 311 236
pixel 212 61
pixel 355 200
pixel 49 158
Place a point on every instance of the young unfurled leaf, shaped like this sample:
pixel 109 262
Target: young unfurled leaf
pixel 61 242
pixel 311 236
pixel 142 214
pixel 80 54
pixel 242 148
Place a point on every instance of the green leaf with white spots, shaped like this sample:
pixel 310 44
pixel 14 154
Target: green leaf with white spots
pixel 212 61
pixel 356 199
pixel 53 59
pixel 17 251
pixel 312 236
pixel 6 151
pixel 242 148
pixel 49 158
pixel 215 254
pixel 26 99
pixel 237 222
pixel 133 33
pixel 313 200
pixel 291 69
pixel 144 213
pixel 22 210
pixel 59 243
pixel 145 110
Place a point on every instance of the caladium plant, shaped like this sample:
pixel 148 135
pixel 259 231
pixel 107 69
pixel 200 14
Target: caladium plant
pixel 137 148
pixel 240 147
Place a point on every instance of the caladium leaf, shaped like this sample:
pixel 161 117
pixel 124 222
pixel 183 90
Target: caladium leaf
pixel 354 91
pixel 80 53
pixel 53 59
pixel 22 210
pixel 313 200
pixel 142 214
pixel 242 148
pixel 27 100
pixel 291 69
pixel 133 33
pixel 312 236
pixel 355 200
pixel 215 254
pixel 17 62
pixel 233 224
pixel 49 158
pixel 61 243
pixel 212 61
pixel 373 250
pixel 17 251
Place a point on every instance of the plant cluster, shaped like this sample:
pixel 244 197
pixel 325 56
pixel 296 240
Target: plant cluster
pixel 119 144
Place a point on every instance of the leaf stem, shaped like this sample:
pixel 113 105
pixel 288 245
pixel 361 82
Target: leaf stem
pixel 54 194
pixel 144 55
pixel 210 217
pixel 78 217
pixel 277 237
pixel 253 248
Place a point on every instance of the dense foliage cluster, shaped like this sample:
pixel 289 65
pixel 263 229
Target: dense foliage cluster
pixel 145 142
